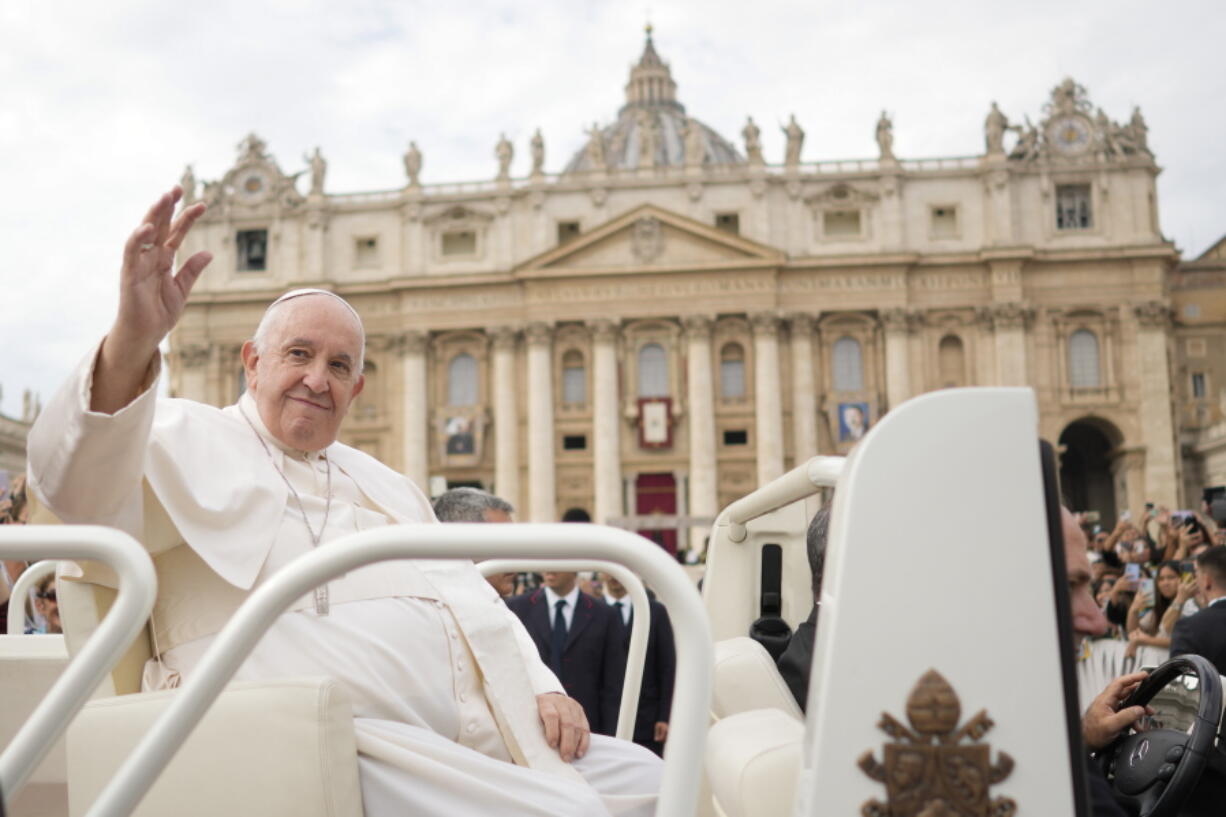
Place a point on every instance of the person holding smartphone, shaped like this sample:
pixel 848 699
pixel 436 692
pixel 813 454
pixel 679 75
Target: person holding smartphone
pixel 1148 609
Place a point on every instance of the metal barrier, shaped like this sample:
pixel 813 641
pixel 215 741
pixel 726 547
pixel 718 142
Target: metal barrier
pixel 1105 661
pixel 137 590
pixel 636 655
pixel 695 654
pixel 20 593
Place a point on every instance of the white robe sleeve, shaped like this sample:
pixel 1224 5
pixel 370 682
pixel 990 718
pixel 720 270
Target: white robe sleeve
pixel 86 466
pixel 542 678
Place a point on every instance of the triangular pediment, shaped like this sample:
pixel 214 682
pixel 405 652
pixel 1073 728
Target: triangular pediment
pixel 650 237
pixel 1215 253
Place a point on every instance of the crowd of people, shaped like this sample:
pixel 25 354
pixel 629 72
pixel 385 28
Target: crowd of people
pixel 39 610
pixel 1154 571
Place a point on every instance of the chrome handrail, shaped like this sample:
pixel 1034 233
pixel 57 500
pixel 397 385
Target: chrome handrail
pixel 695 654
pixel 137 590
pixel 636 655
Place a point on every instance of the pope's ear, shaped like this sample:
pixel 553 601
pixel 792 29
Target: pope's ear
pixel 250 357
pixel 358 386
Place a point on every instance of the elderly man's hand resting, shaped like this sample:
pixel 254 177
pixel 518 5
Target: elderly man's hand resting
pixel 1104 720
pixel 566 727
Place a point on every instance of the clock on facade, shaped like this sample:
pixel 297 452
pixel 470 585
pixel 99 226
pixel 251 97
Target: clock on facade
pixel 252 186
pixel 1069 134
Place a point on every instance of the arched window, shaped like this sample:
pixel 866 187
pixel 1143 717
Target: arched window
pixel 462 380
pixel 1083 360
pixel 951 361
pixel 574 378
pixel 731 371
pixel 848 368
pixel 653 371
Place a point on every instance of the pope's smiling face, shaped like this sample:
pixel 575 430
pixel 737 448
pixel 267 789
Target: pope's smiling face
pixel 306 370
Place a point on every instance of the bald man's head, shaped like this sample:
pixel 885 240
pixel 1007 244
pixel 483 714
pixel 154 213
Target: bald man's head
pixel 1088 619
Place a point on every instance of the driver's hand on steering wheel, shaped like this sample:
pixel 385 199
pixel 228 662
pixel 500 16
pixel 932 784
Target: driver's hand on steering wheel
pixel 1104 720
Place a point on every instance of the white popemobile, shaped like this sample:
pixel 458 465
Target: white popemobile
pixel 933 691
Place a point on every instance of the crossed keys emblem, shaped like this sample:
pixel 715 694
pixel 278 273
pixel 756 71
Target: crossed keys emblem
pixel 929 771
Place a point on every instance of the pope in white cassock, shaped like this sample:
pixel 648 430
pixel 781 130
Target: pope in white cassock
pixel 455 713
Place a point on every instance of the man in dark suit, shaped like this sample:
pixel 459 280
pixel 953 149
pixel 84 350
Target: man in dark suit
pixel 1205 633
pixel 659 666
pixel 581 640
pixel 796 660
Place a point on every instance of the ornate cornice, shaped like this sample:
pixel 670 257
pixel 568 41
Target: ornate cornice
pixel 539 333
pixel 1011 315
pixel 697 327
pixel 1153 314
pixel 764 323
pixel 604 330
pixel 503 337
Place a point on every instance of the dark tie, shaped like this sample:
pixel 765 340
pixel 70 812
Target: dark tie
pixel 617 605
pixel 557 642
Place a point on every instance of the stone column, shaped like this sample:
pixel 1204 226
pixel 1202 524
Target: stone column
pixel 1156 421
pixel 704 472
pixel 897 356
pixel 768 409
pixel 606 422
pixel 506 415
pixel 1009 321
pixel 804 390
pixel 415 455
pixel 542 493
pixel 189 373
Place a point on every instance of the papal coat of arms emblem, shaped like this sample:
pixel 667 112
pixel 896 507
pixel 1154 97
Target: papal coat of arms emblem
pixel 929 770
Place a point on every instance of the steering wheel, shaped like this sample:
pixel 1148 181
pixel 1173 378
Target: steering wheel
pixel 1155 771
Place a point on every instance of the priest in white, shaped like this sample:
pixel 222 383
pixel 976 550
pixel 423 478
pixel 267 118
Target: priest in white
pixel 455 713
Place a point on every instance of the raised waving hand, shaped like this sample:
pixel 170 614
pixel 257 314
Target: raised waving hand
pixel 151 300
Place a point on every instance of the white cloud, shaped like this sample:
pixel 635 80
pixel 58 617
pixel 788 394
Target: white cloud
pixel 105 103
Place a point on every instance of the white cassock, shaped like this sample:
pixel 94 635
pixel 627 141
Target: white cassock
pixel 442 676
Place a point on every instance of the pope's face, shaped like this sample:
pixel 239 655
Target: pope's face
pixel 307 373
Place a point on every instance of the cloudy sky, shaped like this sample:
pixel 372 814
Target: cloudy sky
pixel 102 104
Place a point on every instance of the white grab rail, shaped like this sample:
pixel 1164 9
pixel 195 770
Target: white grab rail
pixel 137 590
pixel 21 593
pixel 695 654
pixel 800 482
pixel 636 655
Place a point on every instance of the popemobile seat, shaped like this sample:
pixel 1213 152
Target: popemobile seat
pixel 265 748
pixel 916 653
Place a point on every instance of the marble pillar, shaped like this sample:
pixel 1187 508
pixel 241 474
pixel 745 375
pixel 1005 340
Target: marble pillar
pixel 1156 414
pixel 506 415
pixel 768 408
pixel 1009 321
pixel 542 479
pixel 606 422
pixel 804 389
pixel 704 472
pixel 897 357
pixel 415 454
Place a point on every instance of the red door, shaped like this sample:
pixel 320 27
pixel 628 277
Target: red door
pixel 657 493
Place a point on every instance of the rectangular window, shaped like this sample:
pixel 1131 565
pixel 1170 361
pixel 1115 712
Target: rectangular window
pixel 574 442
pixel 1073 207
pixel 567 231
pixel 460 242
pixel 366 252
pixel 841 223
pixel 574 385
pixel 945 221
pixel 1191 311
pixel 252 250
pixel 737 436
pixel 1198 385
pixel 728 222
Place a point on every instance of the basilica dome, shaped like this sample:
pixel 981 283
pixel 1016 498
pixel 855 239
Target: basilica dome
pixel 652 129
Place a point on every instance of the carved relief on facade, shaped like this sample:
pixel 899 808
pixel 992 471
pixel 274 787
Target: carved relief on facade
pixel 1153 314
pixel 647 241
pixel 458 232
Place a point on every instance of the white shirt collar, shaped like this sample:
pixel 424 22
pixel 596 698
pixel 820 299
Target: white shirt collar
pixel 1212 602
pixel 570 598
